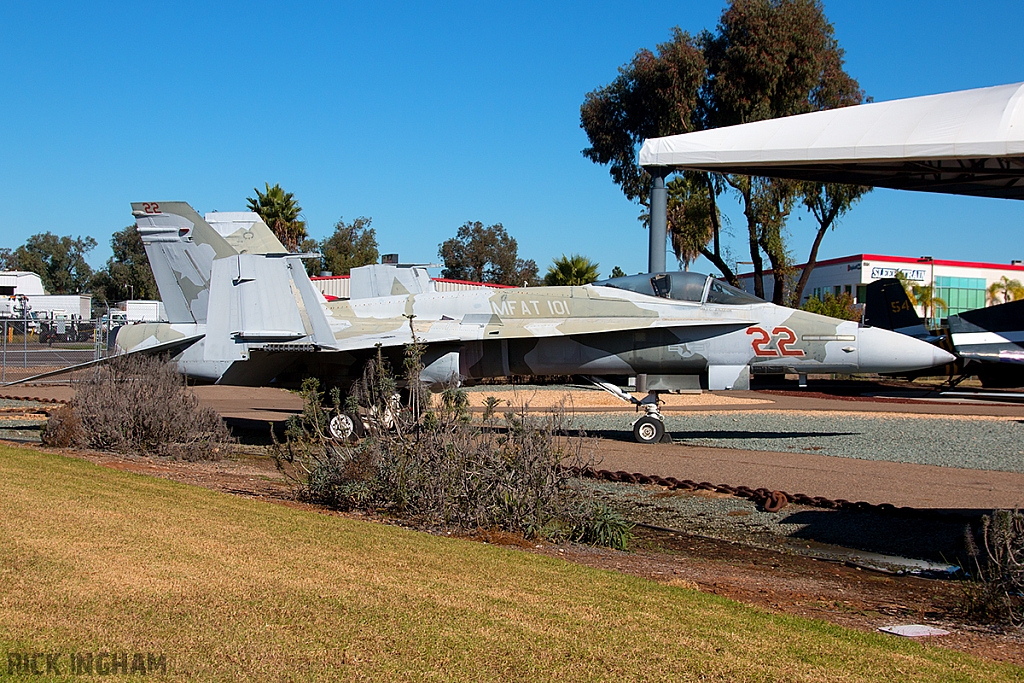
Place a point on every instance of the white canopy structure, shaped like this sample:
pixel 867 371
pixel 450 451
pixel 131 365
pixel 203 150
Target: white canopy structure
pixel 969 142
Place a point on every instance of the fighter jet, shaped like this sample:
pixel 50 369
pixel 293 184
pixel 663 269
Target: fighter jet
pixel 988 342
pixel 991 343
pixel 243 311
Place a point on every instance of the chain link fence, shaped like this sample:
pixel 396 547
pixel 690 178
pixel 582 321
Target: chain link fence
pixel 32 347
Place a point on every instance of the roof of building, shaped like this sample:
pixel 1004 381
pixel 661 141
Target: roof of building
pixel 969 142
pixel 433 279
pixel 859 258
pixel 18 273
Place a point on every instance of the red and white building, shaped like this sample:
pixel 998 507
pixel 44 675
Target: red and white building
pixel 963 285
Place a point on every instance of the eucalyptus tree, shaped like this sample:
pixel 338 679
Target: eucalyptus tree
pixel 765 59
pixel 127 274
pixel 58 260
pixel 485 254
pixel 350 245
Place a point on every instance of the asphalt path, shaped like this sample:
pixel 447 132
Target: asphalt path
pixel 899 483
pixel 43 356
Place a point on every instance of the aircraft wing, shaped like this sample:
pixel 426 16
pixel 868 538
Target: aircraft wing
pixel 995 333
pixel 174 345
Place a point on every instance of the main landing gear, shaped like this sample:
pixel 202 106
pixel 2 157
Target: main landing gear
pixel 650 428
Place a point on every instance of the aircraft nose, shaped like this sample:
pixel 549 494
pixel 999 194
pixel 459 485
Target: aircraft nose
pixel 885 351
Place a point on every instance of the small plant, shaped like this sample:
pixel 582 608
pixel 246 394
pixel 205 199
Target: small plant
pixel 606 527
pixel 139 404
pixel 490 406
pixel 997 591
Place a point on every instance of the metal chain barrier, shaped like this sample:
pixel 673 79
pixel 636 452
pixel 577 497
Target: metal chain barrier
pixel 770 501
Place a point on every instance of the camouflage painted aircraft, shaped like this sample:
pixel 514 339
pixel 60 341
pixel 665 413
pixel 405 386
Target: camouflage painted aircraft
pixel 243 311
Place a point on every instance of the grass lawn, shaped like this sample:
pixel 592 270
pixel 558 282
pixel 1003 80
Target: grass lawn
pixel 95 560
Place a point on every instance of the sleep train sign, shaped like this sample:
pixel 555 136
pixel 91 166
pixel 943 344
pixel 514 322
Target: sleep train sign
pixel 878 272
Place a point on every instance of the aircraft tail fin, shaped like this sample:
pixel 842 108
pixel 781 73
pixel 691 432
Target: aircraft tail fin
pixel 995 333
pixel 888 306
pixel 181 247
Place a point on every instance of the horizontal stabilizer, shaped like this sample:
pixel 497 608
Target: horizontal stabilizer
pixel 176 345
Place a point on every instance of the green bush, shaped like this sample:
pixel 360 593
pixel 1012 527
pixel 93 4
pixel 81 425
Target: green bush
pixel 606 527
pixel 841 307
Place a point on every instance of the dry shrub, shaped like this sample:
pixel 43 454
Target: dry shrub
pixel 63 429
pixel 139 404
pixel 996 593
pixel 430 465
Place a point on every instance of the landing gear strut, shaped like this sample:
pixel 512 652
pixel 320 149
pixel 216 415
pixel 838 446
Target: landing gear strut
pixel 650 428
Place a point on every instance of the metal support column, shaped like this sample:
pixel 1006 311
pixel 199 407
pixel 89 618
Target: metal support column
pixel 659 219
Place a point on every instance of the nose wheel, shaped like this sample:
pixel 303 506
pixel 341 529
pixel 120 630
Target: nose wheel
pixel 342 427
pixel 346 427
pixel 649 429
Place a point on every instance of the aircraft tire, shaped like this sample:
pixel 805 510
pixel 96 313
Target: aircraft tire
pixel 648 430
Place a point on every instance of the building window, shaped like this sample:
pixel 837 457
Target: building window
pixel 848 289
pixel 862 294
pixel 960 293
pixel 6 291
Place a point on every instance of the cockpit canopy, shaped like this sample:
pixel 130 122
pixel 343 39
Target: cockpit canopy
pixel 692 287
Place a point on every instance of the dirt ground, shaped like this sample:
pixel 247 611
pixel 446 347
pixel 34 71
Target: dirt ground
pixel 776 581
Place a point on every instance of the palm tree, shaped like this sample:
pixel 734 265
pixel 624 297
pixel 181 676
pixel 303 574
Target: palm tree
pixel 908 286
pixel 571 270
pixel 280 212
pixel 1010 290
pixel 924 296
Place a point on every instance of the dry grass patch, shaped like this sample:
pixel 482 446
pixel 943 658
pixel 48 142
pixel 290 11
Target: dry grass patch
pixel 234 589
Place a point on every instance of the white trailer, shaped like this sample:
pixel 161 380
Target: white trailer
pixel 141 310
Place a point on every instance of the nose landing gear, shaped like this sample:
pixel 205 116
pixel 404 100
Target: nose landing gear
pixel 650 428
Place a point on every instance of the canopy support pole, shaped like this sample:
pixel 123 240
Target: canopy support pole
pixel 659 219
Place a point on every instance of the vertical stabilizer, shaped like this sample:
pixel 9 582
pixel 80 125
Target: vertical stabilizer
pixel 263 302
pixel 181 247
pixel 889 307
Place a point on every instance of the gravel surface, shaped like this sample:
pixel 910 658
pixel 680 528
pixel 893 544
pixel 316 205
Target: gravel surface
pixel 18 427
pixel 985 443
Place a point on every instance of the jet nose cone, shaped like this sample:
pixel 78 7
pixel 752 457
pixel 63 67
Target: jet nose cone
pixel 884 351
pixel 941 356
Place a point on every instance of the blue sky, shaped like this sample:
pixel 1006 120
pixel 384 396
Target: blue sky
pixel 424 116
